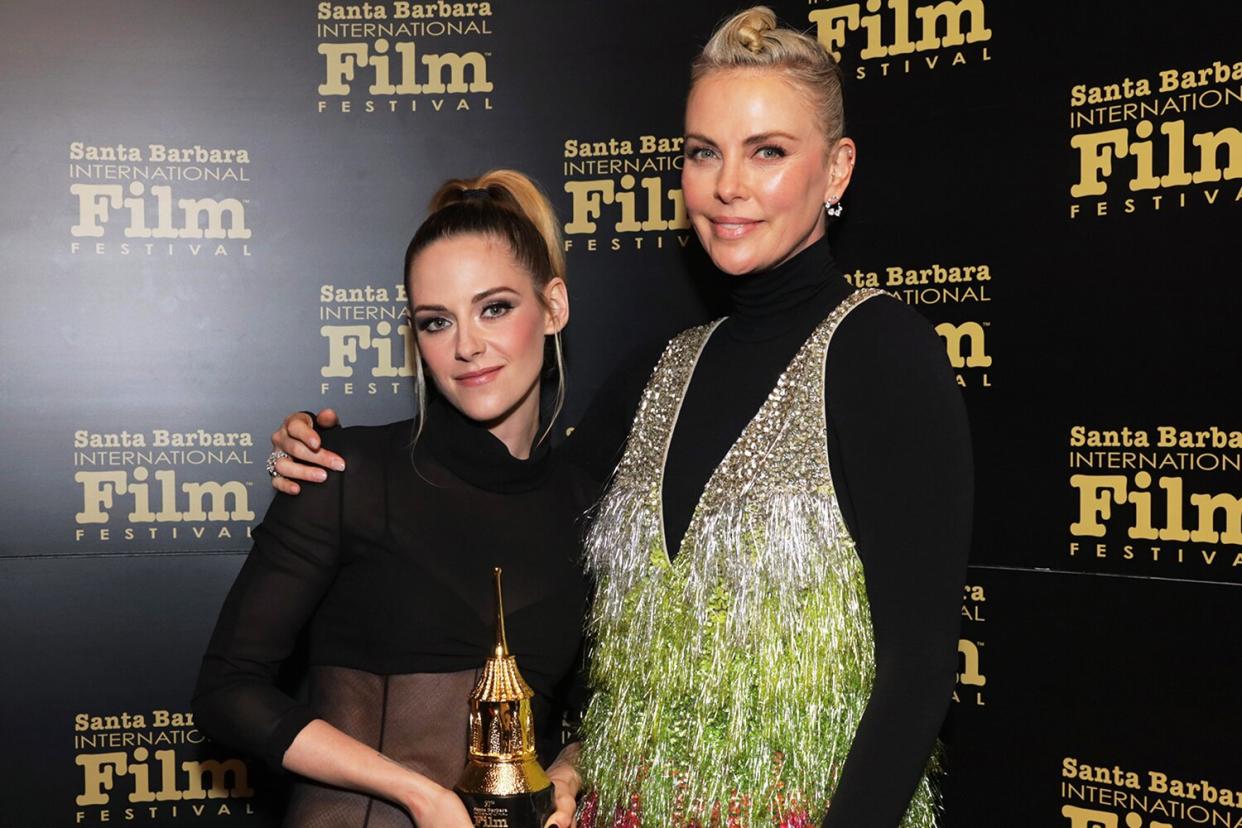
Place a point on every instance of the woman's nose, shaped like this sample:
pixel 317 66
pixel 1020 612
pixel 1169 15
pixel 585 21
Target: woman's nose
pixel 729 183
pixel 469 343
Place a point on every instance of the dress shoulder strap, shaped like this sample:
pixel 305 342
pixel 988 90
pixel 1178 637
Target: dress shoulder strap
pixel 662 396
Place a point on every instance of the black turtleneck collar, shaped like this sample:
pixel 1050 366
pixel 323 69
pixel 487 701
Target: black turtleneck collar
pixel 472 453
pixel 772 302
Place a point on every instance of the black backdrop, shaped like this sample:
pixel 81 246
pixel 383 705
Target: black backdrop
pixel 1080 163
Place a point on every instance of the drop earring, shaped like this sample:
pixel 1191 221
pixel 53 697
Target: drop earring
pixel 834 207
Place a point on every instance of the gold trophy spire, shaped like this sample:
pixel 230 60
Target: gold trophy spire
pixel 501 759
pixel 502 642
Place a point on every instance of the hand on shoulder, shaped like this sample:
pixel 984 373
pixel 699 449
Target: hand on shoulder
pixel 299 453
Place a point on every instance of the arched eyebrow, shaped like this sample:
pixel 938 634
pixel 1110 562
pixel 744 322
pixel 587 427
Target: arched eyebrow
pixel 765 137
pixel 474 300
pixel 761 138
pixel 479 297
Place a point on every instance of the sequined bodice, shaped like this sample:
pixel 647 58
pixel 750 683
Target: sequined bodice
pixel 729 681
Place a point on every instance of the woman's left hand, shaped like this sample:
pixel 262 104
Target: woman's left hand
pixel 565 785
pixel 566 801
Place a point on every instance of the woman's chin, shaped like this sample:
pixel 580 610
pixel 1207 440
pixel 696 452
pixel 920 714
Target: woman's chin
pixel 483 413
pixel 489 410
pixel 733 262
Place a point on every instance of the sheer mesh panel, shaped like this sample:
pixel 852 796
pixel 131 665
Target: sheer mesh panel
pixel 428 722
pixel 419 720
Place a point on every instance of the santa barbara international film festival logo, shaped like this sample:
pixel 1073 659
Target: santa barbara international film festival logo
pixel 183 486
pixel 368 340
pixel 960 292
pixel 1097 793
pixel 1157 142
pixel 624 193
pixel 403 57
pixel 157 199
pixel 151 767
pixel 970 677
pixel 901 37
pixel 1163 501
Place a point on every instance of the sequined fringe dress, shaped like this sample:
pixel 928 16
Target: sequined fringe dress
pixel 729 679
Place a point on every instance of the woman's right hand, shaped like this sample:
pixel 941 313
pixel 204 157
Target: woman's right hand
pixel 440 808
pixel 326 754
pixel 299 440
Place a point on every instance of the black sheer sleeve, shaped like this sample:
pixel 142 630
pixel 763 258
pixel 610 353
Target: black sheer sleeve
pixel 900 448
pixel 596 443
pixel 288 570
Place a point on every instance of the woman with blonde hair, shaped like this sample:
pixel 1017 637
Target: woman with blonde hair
pixel 780 555
pixel 388 566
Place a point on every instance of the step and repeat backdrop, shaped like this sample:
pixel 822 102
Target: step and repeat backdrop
pixel 204 213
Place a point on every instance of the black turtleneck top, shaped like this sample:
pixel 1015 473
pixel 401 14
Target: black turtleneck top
pixel 387 569
pixel 900 454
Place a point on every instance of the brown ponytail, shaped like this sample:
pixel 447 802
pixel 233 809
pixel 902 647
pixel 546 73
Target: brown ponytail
pixel 501 203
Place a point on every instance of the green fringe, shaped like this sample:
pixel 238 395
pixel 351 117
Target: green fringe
pixel 751 718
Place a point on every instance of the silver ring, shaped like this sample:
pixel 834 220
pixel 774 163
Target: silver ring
pixel 271 462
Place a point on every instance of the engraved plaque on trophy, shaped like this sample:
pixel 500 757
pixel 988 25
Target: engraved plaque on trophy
pixel 503 785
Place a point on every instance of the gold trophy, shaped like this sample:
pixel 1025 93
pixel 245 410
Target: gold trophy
pixel 503 785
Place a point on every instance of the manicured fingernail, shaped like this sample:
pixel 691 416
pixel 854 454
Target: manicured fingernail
pixel 321 475
pixel 339 465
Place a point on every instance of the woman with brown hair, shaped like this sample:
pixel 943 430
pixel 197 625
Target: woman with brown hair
pixel 388 566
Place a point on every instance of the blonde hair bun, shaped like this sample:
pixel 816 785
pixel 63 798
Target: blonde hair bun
pixel 754 39
pixel 748 28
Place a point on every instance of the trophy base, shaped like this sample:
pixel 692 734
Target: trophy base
pixel 526 810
